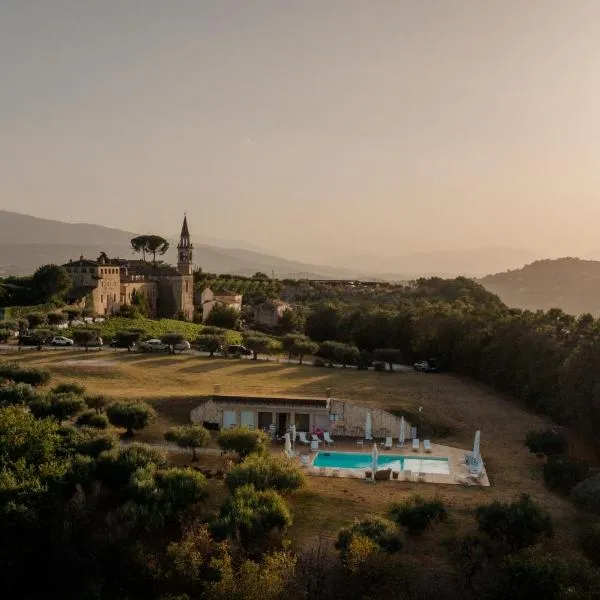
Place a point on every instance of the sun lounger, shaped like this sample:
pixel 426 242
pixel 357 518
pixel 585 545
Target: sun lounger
pixel 416 445
pixel 360 443
pixel 407 475
pixel 427 445
pixel 388 443
pixel 302 438
pixel 314 446
pixel 327 438
pixel 315 438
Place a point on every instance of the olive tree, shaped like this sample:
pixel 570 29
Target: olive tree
pixel 131 416
pixel 244 441
pixel 266 472
pixel 190 437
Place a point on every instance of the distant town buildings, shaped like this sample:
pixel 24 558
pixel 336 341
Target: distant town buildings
pixel 107 284
pixel 210 299
pixel 269 313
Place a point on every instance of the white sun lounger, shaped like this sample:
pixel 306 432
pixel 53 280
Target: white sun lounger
pixel 328 439
pixel 416 444
pixel 315 438
pixel 427 445
pixel 388 443
pixel 302 438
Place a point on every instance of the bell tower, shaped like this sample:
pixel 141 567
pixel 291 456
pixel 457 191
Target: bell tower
pixel 185 251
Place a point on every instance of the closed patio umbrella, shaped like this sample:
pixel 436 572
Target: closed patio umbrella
pixel 368 427
pixel 476 443
pixel 294 436
pixel 287 443
pixel 402 428
pixel 374 458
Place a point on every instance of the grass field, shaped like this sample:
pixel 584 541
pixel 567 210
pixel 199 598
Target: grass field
pixel 173 383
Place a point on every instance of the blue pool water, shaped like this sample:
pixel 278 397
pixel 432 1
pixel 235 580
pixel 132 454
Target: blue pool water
pixel 356 460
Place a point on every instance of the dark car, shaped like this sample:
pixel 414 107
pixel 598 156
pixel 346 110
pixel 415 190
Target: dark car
pixel 238 349
pixel 31 340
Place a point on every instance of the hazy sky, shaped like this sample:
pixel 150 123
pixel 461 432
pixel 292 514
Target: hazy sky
pixel 316 128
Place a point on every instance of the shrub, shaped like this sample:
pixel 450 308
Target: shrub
pixel 586 494
pixel 36 319
pixel 268 472
pixel 212 330
pixel 91 442
pixel 417 514
pixel 96 402
pixel 546 442
pixel 248 514
pixel 244 441
pixel 91 418
pixel 56 318
pixel 591 543
pixel 563 474
pixel 517 525
pixel 382 532
pixel 18 394
pixel 189 436
pixel 224 316
pixel 116 466
pixel 69 388
pixel 130 416
pixel 18 374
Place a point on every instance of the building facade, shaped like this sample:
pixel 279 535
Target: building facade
pixel 209 300
pixel 107 284
pixel 269 313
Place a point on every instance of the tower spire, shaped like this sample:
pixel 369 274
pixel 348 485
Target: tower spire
pixel 185 232
pixel 185 249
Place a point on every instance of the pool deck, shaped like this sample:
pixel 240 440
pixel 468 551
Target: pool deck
pixel 455 456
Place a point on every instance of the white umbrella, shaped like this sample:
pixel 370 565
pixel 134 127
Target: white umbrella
pixel 294 435
pixel 368 427
pixel 401 436
pixel 375 456
pixel 476 443
pixel 287 443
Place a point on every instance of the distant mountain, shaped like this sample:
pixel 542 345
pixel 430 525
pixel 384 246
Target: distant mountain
pixel 27 242
pixel 571 284
pixel 470 263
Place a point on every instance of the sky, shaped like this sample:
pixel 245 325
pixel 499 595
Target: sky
pixel 315 129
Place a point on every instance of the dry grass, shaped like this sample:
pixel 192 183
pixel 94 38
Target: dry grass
pixel 173 383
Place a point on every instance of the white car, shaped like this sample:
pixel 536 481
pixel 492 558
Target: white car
pixel 182 346
pixel 59 340
pixel 154 345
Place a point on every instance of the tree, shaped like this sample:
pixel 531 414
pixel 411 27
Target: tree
pixel 189 436
pixel 470 554
pixel 130 416
pixel 16 394
pixel 90 418
pixel 244 441
pixel 417 514
pixel 69 388
pixel 563 474
pixel 210 343
pixel 264 473
pixel 89 441
pixel 517 525
pixel 59 406
pixel 288 321
pixel 586 494
pixel 546 442
pixel 151 244
pixel 248 514
pixel 50 282
pixel 391 356
pixel 172 339
pixel 260 344
pixel 72 312
pixel 85 337
pixel 116 466
pixel 56 318
pixel 346 354
pixel 36 319
pixel 96 402
pixel 127 338
pixel 223 316
pixel 377 529
pixel 299 345
pixel 323 323
pixel 32 376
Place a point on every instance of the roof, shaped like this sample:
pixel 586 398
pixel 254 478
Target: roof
pixel 270 400
pixel 224 293
pixel 82 262
pixel 185 232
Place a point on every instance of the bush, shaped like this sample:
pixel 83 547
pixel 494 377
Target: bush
pixel 36 319
pixel 223 316
pixel 130 416
pixel 96 402
pixel 56 318
pixel 517 525
pixel 59 406
pixel 268 472
pixel 591 543
pixel 563 474
pixel 380 531
pixel 69 388
pixel 417 514
pixel 586 494
pixel 91 418
pixel 91 442
pixel 248 514
pixel 16 394
pixel 546 442
pixel 244 441
pixel 116 466
pixel 18 374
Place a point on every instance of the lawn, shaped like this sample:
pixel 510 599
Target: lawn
pixel 173 383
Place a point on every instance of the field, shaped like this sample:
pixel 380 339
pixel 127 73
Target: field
pixel 450 405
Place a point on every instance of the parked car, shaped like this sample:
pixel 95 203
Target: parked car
pixel 239 349
pixel 426 366
pixel 183 346
pixel 59 340
pixel 153 345
pixel 31 340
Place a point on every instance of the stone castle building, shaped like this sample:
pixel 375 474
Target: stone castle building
pixel 107 284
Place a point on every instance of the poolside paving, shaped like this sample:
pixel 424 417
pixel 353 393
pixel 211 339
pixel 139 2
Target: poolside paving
pixel 456 461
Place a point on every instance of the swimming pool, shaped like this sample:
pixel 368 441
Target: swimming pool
pixel 397 462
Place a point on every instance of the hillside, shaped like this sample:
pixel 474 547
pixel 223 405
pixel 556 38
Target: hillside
pixel 571 284
pixel 27 242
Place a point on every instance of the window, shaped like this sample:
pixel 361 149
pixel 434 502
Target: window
pixel 187 287
pixel 101 298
